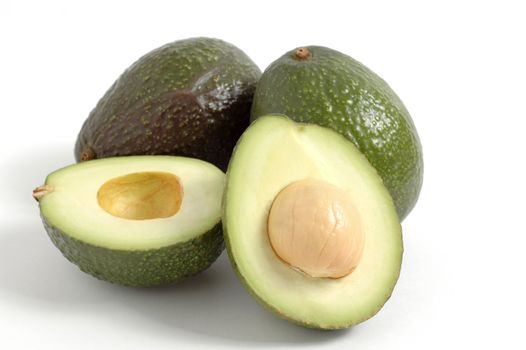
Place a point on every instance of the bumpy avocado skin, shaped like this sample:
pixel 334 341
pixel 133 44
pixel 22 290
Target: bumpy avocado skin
pixel 331 89
pixel 189 98
pixel 141 268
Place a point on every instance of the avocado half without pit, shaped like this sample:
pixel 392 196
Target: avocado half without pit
pixel 310 228
pixel 139 220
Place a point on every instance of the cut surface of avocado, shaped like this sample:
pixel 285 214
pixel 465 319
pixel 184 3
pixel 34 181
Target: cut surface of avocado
pixel 140 220
pixel 341 245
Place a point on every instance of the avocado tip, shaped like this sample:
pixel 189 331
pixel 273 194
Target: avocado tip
pixel 87 154
pixel 302 53
pixel 41 191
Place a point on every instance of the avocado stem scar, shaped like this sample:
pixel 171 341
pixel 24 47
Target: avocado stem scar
pixel 302 53
pixel 41 191
pixel 87 154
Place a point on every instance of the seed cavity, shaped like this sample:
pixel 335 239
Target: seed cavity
pixel 142 196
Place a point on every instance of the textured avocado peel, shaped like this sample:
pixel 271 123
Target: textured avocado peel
pixel 189 98
pixel 322 86
pixel 140 268
pixel 126 220
pixel 322 163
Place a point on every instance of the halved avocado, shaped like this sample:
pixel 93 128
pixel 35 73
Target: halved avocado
pixel 139 221
pixel 310 228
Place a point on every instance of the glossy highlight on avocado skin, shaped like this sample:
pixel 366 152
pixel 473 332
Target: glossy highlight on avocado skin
pixel 331 89
pixel 188 98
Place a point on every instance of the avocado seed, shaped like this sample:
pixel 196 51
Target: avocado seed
pixel 315 227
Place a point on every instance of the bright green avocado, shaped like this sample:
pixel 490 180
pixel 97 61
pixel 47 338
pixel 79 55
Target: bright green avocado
pixel 317 259
pixel 322 86
pixel 187 98
pixel 138 220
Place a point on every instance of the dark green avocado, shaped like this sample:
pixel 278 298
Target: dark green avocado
pixel 189 98
pixel 322 86
pixel 140 268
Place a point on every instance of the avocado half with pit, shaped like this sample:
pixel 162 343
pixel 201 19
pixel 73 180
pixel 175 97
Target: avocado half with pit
pixel 310 228
pixel 139 220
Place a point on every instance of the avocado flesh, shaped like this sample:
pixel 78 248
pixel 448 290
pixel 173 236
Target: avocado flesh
pixel 272 153
pixel 188 98
pixel 146 252
pixel 331 89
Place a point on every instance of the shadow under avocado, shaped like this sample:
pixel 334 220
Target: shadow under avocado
pixel 213 304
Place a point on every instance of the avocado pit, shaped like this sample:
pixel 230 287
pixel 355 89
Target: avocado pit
pixel 315 227
pixel 142 196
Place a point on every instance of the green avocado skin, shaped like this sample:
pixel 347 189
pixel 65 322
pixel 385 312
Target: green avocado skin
pixel 189 98
pixel 141 268
pixel 331 89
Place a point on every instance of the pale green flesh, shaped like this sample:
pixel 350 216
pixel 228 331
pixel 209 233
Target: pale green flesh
pixel 72 205
pixel 273 153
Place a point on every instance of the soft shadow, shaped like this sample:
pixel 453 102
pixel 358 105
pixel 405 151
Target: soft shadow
pixel 33 270
pixel 212 304
pixel 216 304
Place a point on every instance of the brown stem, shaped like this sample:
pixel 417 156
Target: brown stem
pixel 87 154
pixel 302 53
pixel 41 191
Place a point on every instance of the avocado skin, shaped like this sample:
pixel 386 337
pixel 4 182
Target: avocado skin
pixel 189 98
pixel 141 268
pixel 333 90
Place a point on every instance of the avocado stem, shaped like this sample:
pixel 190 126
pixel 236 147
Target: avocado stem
pixel 41 191
pixel 87 154
pixel 302 53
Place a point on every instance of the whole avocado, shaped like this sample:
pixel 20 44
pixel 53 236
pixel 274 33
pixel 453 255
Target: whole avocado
pixel 189 98
pixel 322 86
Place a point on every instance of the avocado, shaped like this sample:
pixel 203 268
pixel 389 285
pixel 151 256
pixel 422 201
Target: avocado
pixel 137 220
pixel 322 86
pixel 188 98
pixel 309 226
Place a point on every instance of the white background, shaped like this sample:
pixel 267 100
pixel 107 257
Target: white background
pixel 460 68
